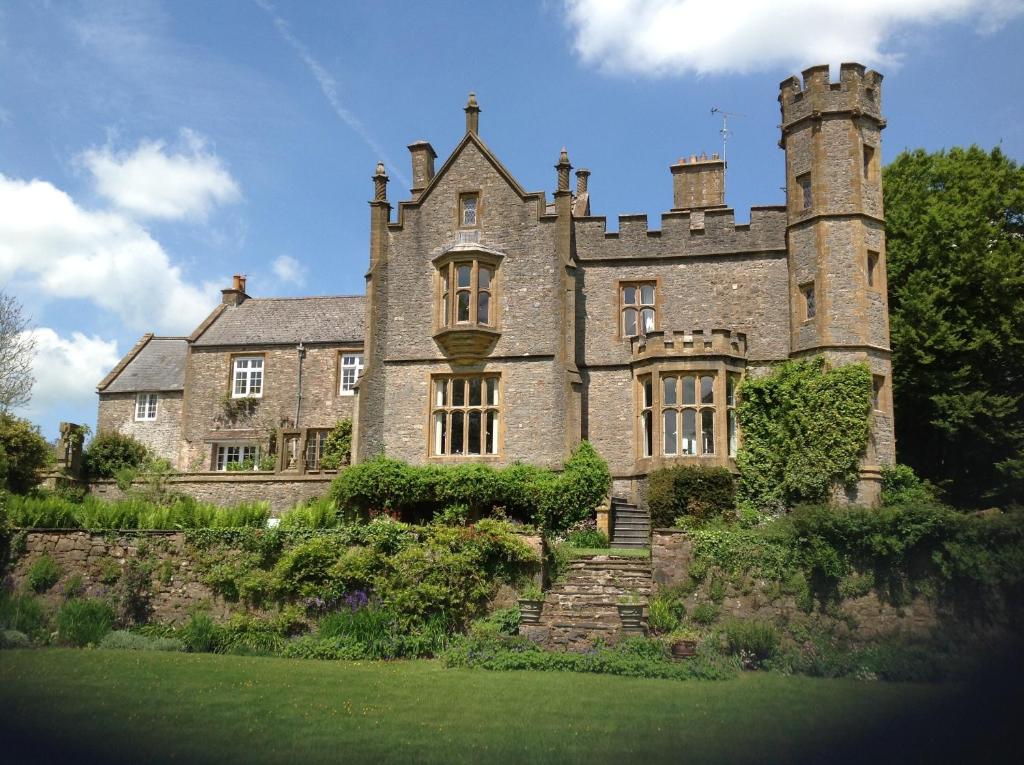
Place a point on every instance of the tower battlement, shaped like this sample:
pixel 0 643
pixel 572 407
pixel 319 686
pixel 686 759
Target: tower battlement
pixel 858 92
pixel 690 342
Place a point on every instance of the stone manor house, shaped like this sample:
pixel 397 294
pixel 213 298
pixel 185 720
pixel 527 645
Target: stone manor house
pixel 502 325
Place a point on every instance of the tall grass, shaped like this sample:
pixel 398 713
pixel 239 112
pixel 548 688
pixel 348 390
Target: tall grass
pixel 84 622
pixel 321 513
pixel 49 511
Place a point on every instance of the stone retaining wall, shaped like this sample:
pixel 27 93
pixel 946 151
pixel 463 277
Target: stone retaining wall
pixel 868 616
pixel 281 491
pixel 176 587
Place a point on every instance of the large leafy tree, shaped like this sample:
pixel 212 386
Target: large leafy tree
pixel 955 248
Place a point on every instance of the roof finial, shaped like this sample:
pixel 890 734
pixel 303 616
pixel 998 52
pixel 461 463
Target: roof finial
pixel 472 114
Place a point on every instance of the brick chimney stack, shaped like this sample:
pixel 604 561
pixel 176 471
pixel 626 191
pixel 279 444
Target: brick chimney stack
pixel 235 294
pixel 698 184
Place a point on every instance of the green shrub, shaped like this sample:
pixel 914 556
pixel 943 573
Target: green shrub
pixel 324 648
pixel 123 640
pixel 554 501
pixel 504 621
pixel 631 658
pixel 25 453
pixel 202 634
pixel 42 574
pixel 666 610
pixel 754 642
pixel 805 427
pixel 14 639
pixel 84 622
pixel 109 453
pixel 373 627
pixel 585 535
pixel 900 485
pixel 692 490
pixel 338 446
pixel 704 613
pixel 24 613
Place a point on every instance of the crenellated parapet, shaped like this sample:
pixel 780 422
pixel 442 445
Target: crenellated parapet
pixel 689 343
pixel 858 93
pixel 695 232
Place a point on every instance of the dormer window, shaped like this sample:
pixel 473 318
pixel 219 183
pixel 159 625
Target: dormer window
pixel 469 210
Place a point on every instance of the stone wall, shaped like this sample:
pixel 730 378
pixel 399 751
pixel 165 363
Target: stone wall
pixel 208 382
pixel 176 586
pixel 281 491
pixel 162 435
pixel 99 557
pixel 869 615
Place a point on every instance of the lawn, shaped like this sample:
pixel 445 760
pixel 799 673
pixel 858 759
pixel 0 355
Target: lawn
pixel 86 706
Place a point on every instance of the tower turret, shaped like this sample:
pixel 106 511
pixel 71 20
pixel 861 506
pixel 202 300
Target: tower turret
pixel 831 133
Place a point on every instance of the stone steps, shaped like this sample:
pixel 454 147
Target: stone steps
pixel 584 607
pixel 631 526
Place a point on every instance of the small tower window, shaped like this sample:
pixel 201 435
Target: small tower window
pixel 872 268
pixel 869 158
pixel 468 208
pixel 810 307
pixel 804 182
pixel 877 385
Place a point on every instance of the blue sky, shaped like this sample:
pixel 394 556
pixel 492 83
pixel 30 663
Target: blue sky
pixel 149 150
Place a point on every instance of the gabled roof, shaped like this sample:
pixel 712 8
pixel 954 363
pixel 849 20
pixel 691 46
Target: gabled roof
pixel 286 321
pixel 154 364
pixel 475 140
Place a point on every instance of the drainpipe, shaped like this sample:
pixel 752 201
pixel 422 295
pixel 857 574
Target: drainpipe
pixel 300 350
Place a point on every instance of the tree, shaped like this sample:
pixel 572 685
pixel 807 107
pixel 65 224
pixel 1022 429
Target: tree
pixel 25 452
pixel 955 250
pixel 17 350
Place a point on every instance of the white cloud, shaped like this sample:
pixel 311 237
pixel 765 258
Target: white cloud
pixel 65 251
pixel 289 270
pixel 151 182
pixel 659 37
pixel 67 371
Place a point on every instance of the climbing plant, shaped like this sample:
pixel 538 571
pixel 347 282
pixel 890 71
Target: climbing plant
pixel 804 427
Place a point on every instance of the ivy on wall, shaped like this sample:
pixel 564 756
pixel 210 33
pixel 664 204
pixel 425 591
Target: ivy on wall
pixel 805 427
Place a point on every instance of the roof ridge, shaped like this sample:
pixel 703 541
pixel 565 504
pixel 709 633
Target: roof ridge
pixel 303 297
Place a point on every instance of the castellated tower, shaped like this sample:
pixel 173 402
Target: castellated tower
pixel 835 235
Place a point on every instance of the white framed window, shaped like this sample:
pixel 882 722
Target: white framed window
pixel 247 377
pixel 145 406
pixel 228 454
pixel 351 369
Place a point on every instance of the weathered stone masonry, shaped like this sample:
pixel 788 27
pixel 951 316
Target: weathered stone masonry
pixel 584 329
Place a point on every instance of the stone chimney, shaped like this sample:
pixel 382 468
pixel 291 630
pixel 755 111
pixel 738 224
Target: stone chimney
pixel 472 114
pixel 235 294
pixel 699 183
pixel 423 156
pixel 581 204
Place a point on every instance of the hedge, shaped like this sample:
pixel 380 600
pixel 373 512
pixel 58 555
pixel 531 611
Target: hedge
pixel 553 501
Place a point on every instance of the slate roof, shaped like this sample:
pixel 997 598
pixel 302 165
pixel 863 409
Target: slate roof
pixel 159 365
pixel 274 321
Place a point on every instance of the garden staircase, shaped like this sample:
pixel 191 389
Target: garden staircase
pixel 583 606
pixel 631 526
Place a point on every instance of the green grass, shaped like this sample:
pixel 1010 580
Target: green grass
pixel 615 552
pixel 131 706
